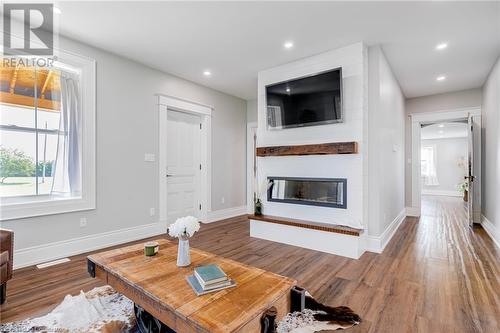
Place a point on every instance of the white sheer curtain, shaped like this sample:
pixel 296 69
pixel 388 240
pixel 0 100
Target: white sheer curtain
pixel 428 165
pixel 67 167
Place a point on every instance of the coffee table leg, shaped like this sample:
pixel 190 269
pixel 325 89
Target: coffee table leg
pixel 268 322
pixel 149 324
pixel 298 299
pixel 91 268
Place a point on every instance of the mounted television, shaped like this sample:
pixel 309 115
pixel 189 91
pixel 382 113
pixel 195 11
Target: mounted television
pixel 307 101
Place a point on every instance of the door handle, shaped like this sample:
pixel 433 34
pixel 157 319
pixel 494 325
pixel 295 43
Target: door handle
pixel 470 178
pixel 169 175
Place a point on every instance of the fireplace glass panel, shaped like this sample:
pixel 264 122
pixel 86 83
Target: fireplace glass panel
pixel 308 191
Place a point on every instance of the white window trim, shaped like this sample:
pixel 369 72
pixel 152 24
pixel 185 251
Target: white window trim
pixel 17 207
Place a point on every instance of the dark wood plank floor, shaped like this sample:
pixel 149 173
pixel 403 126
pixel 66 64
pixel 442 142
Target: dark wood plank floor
pixel 436 275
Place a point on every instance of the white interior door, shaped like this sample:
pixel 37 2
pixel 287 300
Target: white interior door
pixel 474 169
pixel 183 165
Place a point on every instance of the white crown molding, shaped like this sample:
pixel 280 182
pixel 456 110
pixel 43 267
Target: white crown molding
pixel 490 229
pixel 57 250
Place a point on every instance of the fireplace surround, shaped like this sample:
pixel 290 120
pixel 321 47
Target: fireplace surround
pixel 326 192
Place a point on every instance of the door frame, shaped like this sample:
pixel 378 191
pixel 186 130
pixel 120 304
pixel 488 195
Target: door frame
pixel 417 119
pixel 166 103
pixel 251 159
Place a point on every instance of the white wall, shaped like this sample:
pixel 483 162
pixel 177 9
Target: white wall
pixel 352 60
pixel 127 127
pixel 491 152
pixel 252 111
pixel 386 117
pixel 449 173
pixel 449 101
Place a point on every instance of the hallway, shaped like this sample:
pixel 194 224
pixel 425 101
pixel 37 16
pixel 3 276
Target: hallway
pixel 460 267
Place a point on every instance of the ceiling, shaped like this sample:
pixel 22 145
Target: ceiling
pixel 444 131
pixel 236 40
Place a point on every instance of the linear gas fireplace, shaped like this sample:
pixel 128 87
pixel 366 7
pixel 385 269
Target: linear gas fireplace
pixel 327 192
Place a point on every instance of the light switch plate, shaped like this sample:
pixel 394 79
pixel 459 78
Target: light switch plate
pixel 148 157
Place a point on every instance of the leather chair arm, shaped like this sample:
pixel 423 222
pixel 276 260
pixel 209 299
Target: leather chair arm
pixel 7 244
pixel 6 240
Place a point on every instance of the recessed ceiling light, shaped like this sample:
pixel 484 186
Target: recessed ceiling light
pixel 57 10
pixel 441 132
pixel 441 125
pixel 441 78
pixel 441 46
pixel 288 45
pixel 207 73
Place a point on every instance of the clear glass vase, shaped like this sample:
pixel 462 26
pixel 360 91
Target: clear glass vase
pixel 183 257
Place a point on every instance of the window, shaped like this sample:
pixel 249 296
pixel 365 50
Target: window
pixel 47 138
pixel 29 131
pixel 428 165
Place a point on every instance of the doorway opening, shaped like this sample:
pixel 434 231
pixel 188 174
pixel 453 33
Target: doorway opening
pixel 443 159
pixel 446 160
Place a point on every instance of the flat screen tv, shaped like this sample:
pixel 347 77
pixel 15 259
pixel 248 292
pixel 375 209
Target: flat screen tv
pixel 307 101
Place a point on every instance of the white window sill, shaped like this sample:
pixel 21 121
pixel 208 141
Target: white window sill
pixel 18 208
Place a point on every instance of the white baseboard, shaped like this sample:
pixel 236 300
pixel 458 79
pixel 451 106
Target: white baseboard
pixel 227 213
pixel 377 244
pixel 57 250
pixel 413 211
pixel 490 229
pixel 441 192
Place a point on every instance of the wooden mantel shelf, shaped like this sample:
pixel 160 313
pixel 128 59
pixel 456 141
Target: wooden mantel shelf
pixel 340 229
pixel 315 149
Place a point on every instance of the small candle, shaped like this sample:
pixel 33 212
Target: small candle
pixel 151 248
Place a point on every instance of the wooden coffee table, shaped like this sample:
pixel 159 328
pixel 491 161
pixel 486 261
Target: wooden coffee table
pixel 164 301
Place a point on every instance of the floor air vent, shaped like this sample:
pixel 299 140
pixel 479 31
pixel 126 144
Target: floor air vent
pixel 52 263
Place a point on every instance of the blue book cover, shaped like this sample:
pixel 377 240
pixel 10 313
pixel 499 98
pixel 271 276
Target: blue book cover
pixel 210 274
pixel 198 289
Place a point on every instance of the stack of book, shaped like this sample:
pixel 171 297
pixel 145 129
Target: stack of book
pixel 209 278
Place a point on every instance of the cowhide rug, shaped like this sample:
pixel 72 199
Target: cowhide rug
pixel 105 311
pixel 318 317
pixel 98 310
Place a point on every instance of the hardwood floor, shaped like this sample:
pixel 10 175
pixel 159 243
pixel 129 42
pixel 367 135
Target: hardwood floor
pixel 436 274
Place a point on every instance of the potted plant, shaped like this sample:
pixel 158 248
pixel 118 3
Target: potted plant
pixel 257 205
pixel 464 189
pixel 183 228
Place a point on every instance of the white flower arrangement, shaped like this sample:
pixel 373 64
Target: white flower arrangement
pixel 184 226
